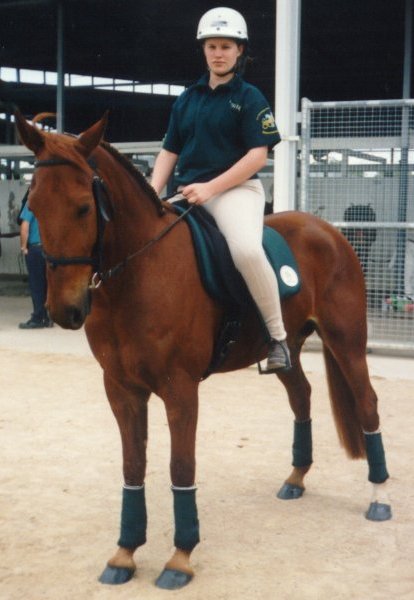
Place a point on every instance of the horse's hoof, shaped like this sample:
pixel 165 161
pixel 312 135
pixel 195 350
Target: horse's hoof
pixel 116 575
pixel 378 512
pixel 170 579
pixel 289 491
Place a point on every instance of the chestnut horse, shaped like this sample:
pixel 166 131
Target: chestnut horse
pixel 121 262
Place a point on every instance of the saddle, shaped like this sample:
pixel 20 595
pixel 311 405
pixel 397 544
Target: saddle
pixel 224 283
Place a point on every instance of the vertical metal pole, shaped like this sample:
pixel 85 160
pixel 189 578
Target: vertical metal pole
pixel 287 96
pixel 9 137
pixel 408 48
pixel 403 190
pixel 60 90
pixel 305 153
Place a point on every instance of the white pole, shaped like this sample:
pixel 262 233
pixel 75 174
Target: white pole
pixel 287 98
pixel 408 48
pixel 60 89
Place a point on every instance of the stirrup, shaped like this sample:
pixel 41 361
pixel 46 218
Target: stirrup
pixel 276 345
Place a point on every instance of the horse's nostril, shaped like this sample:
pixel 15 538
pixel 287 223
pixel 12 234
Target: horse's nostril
pixel 73 318
pixel 77 317
pixel 73 315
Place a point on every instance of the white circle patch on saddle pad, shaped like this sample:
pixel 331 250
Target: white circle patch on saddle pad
pixel 289 276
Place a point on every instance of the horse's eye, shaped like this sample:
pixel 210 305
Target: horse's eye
pixel 84 210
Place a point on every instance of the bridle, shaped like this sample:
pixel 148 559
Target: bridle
pixel 104 214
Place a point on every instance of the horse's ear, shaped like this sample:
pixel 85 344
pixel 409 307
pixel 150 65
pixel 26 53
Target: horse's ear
pixel 89 139
pixel 30 136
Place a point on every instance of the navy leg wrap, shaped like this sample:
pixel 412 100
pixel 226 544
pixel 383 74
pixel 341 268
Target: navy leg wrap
pixel 133 518
pixel 376 458
pixel 187 533
pixel 302 444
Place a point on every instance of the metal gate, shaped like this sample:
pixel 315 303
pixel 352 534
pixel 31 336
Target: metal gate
pixel 357 172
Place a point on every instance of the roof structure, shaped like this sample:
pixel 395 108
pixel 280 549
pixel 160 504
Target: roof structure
pixel 349 50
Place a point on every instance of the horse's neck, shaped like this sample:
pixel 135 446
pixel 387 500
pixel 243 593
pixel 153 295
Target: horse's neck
pixel 135 216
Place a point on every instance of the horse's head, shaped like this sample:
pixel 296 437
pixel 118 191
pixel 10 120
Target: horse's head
pixel 62 199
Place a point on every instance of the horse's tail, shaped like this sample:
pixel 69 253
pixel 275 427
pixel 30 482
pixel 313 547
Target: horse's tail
pixel 42 116
pixel 344 411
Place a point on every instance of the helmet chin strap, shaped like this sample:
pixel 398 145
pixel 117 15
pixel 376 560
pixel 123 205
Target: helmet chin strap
pixel 236 68
pixel 232 70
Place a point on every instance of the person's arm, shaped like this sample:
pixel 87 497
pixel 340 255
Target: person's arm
pixel 163 169
pixel 24 236
pixel 252 162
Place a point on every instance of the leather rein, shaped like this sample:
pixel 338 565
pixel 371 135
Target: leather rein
pixel 103 214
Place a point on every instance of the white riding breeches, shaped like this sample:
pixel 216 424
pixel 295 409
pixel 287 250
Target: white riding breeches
pixel 239 216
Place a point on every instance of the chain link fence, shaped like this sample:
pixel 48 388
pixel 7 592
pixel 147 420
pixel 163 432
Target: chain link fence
pixel 357 172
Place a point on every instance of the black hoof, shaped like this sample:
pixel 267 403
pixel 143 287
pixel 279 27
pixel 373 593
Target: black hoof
pixel 290 492
pixel 116 575
pixel 170 579
pixel 378 512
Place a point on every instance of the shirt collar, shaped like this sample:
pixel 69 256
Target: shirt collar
pixel 233 84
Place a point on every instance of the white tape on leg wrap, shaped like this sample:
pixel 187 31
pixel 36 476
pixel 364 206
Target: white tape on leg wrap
pixel 133 487
pixel 372 432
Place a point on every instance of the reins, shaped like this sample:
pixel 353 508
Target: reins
pixel 100 191
pixel 104 275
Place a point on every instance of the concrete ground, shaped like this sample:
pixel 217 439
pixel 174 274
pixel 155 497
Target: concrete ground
pixel 60 483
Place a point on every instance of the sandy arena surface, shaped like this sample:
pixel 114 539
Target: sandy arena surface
pixel 60 484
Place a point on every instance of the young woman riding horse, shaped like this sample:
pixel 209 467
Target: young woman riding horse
pixel 122 263
pixel 218 136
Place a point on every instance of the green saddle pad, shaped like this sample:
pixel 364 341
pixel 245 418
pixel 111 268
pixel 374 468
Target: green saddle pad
pixel 283 262
pixel 218 272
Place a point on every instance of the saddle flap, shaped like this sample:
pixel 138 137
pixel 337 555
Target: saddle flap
pixel 283 262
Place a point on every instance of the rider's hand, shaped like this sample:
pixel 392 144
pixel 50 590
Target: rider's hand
pixel 197 193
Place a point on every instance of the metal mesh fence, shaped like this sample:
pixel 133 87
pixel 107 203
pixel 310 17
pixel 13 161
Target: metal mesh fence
pixel 357 171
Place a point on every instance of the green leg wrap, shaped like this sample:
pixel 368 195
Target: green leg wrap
pixel 302 443
pixel 133 518
pixel 187 533
pixel 376 458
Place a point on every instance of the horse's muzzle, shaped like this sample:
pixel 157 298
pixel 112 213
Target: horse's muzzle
pixel 72 316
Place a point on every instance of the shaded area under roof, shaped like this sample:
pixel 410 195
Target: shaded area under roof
pixel 349 50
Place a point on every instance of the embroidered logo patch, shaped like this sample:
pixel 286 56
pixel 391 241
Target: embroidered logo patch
pixel 235 106
pixel 267 121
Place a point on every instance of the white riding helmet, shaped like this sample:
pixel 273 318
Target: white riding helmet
pixel 222 22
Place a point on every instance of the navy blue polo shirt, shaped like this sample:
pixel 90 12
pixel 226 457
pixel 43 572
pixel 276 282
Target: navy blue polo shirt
pixel 211 130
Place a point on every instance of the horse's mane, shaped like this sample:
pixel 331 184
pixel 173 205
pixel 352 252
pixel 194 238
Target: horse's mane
pixel 61 147
pixel 136 174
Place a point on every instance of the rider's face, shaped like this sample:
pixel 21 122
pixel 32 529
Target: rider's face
pixel 221 55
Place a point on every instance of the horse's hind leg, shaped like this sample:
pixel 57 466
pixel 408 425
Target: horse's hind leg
pixel 299 392
pixel 130 409
pixel 354 402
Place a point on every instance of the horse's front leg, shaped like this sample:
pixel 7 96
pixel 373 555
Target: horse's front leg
pixel 299 392
pixel 182 410
pixel 130 409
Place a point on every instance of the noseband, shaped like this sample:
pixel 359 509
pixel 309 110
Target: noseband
pixel 103 215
